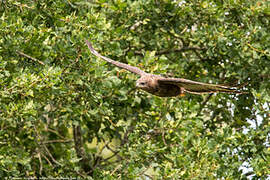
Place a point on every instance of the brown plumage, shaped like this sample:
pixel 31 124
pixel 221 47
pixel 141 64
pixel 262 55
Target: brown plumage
pixel 166 87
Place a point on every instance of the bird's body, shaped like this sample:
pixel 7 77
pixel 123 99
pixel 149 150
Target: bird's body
pixel 166 87
pixel 149 83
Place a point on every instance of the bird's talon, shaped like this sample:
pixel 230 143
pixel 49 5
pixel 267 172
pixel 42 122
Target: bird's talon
pixel 182 94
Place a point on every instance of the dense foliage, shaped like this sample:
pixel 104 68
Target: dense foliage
pixel 66 113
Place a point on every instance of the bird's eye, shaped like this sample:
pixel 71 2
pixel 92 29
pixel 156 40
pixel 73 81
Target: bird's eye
pixel 142 83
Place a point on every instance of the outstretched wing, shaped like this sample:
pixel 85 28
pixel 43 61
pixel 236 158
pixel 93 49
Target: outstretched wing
pixel 198 87
pixel 116 63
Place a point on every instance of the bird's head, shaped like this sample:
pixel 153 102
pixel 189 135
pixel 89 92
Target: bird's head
pixel 146 83
pixel 142 83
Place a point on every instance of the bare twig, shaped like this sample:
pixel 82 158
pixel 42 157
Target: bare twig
pixel 45 157
pixel 100 152
pixel 51 156
pixel 29 57
pixel 40 162
pixel 83 176
pixel 143 172
pixel 45 147
pixel 117 167
pixel 56 133
pixel 114 152
pixel 98 159
pixel 147 175
pixel 255 49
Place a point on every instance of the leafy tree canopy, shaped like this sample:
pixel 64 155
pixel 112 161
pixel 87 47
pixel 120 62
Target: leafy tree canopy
pixel 66 113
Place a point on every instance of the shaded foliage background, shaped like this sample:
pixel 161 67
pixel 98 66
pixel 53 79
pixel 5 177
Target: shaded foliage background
pixel 63 112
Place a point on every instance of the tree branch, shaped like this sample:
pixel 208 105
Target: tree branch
pixel 40 162
pixel 29 57
pixel 85 161
pixel 115 153
pixel 45 147
pixel 45 157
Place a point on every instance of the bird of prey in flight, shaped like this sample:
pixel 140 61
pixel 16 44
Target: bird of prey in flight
pixel 166 87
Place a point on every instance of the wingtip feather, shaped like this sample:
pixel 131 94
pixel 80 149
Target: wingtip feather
pixel 89 44
pixel 91 48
